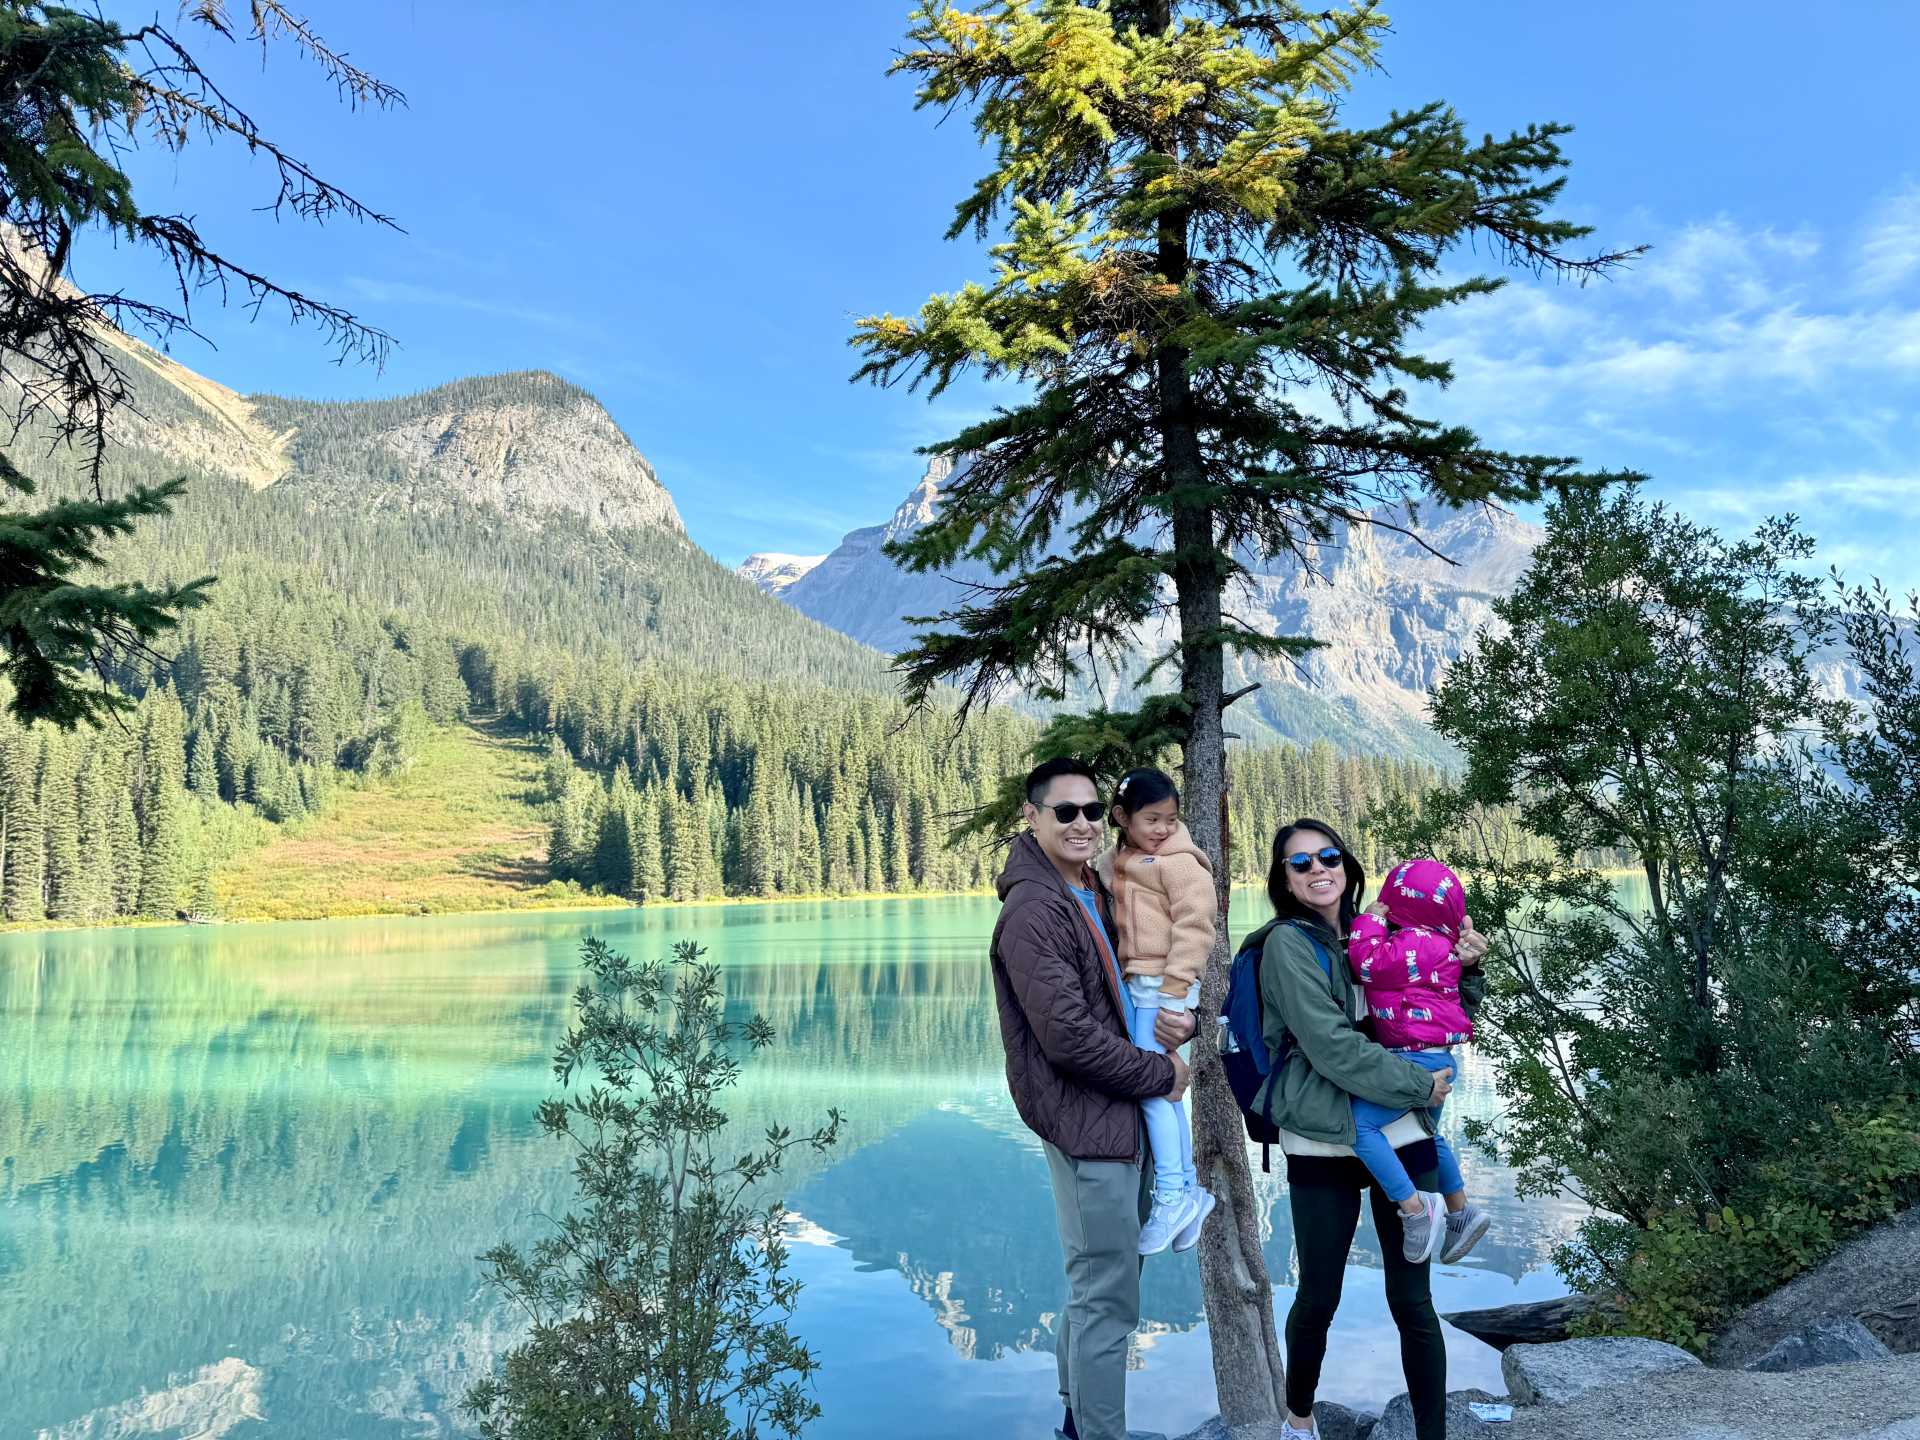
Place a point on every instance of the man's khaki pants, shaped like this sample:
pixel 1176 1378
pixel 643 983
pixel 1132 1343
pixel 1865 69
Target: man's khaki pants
pixel 1100 1206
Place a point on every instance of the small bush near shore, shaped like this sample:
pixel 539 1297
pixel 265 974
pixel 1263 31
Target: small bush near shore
pixel 1690 1272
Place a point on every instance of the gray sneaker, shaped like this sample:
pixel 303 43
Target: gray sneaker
pixel 1190 1237
pixel 1422 1235
pixel 1464 1231
pixel 1171 1214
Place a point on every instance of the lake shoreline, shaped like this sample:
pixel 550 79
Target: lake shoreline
pixel 582 903
pixel 563 904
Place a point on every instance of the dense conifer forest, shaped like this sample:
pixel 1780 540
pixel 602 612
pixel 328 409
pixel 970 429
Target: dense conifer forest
pixel 704 740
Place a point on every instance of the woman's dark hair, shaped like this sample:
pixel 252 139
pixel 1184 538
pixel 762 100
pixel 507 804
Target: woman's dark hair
pixel 1140 788
pixel 1284 903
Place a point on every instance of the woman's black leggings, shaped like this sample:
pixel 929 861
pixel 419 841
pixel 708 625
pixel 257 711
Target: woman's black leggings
pixel 1324 1219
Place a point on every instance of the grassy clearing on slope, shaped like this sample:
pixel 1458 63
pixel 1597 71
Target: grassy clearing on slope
pixel 459 831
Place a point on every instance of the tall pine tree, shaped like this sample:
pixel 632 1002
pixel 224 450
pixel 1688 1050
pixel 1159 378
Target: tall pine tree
pixel 26 836
pixel 1196 257
pixel 60 817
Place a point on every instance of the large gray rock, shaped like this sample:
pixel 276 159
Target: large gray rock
pixel 1561 1373
pixel 1833 1340
pixel 1396 1421
pixel 1875 1278
pixel 1336 1422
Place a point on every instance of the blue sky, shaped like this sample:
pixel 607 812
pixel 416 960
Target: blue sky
pixel 683 208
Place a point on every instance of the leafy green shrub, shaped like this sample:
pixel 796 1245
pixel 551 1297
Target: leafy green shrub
pixel 1689 1272
pixel 660 1308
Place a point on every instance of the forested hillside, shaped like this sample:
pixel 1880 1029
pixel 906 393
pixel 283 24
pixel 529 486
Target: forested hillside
pixel 683 786
pixel 384 533
pixel 389 567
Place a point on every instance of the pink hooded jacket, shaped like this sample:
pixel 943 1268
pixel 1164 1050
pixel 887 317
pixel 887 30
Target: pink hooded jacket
pixel 1406 962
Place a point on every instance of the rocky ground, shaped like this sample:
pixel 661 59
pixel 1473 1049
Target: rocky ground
pixel 1829 1357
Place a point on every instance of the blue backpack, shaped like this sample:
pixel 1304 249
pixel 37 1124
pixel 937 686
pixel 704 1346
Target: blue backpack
pixel 1243 1042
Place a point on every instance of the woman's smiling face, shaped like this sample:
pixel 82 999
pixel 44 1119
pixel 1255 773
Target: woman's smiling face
pixel 1318 888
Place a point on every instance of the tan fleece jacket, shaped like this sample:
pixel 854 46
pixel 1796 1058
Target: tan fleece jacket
pixel 1164 908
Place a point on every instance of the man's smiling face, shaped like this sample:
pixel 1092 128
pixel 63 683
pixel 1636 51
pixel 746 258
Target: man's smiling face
pixel 1072 844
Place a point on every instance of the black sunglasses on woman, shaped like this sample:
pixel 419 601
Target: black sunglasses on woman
pixel 1331 858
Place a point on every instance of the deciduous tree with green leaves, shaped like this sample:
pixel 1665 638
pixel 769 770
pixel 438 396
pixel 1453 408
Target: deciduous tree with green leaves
pixel 1676 1053
pixel 1210 287
pixel 659 1308
pixel 78 91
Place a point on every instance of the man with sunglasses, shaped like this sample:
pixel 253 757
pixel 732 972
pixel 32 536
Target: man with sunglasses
pixel 1077 1080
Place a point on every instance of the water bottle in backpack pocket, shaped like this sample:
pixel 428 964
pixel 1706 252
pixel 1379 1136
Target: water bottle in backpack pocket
pixel 1244 1057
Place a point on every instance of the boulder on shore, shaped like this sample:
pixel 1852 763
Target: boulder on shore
pixel 1335 1422
pixel 1833 1340
pixel 1875 1278
pixel 1538 1322
pixel 1560 1374
pixel 1396 1421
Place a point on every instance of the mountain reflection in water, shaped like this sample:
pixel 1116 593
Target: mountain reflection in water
pixel 244 1170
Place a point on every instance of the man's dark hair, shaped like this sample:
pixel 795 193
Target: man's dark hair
pixel 1045 774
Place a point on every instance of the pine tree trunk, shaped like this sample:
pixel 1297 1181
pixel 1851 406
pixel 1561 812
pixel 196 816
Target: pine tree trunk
pixel 1248 1372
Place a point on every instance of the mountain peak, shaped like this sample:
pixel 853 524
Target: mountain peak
pixel 918 509
pixel 1392 613
pixel 771 572
pixel 526 443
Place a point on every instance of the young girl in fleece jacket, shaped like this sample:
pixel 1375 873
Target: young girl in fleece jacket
pixel 1163 906
pixel 1401 951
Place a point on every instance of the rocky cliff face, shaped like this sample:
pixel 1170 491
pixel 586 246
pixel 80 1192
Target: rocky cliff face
pixel 527 445
pixel 1392 615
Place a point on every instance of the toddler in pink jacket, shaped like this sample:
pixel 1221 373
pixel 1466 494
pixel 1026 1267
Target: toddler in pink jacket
pixel 1401 950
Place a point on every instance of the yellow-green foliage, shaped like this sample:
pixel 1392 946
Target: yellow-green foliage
pixel 456 831
pixel 1063 91
pixel 1689 1273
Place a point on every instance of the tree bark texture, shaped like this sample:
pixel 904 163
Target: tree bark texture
pixel 1249 1374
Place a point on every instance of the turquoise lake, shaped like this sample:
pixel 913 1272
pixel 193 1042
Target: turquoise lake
pixel 245 1171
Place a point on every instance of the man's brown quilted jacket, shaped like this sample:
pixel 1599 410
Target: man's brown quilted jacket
pixel 1076 1078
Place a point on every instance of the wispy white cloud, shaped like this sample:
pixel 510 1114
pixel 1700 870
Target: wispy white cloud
pixel 1890 250
pixel 1638 344
pixel 1752 372
pixel 1719 261
pixel 1806 495
pixel 403 292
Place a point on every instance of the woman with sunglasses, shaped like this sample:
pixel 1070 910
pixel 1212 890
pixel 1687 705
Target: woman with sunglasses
pixel 1311 1010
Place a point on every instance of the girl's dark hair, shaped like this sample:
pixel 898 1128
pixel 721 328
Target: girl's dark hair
pixel 1284 903
pixel 1140 788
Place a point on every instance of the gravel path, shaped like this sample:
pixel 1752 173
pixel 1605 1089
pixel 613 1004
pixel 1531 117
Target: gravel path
pixel 1876 1401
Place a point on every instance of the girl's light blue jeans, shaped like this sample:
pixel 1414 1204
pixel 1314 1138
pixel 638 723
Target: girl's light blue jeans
pixel 1168 1131
pixel 1376 1151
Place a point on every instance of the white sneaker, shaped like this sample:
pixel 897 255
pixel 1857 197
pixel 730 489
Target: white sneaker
pixel 1171 1214
pixel 1289 1431
pixel 1422 1235
pixel 1190 1237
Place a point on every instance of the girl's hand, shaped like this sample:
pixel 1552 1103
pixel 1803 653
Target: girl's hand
pixel 1472 946
pixel 1378 908
pixel 1173 1028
